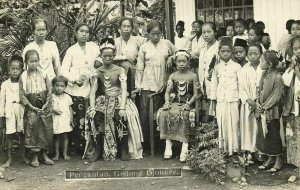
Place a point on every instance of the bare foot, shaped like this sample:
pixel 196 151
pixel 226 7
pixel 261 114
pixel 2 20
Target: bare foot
pixel 35 161
pixel 7 164
pixel 66 157
pixel 55 158
pixel 26 160
pixel 47 160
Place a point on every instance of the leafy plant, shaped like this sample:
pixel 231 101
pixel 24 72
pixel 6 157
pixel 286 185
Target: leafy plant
pixel 205 157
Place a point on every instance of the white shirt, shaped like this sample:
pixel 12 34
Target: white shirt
pixel 181 43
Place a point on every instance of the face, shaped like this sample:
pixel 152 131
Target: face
pixel 196 28
pixel 108 31
pixel 298 30
pixel 59 87
pixel 296 48
pixel 33 61
pixel 230 31
pixel 40 31
pixel 252 37
pixel 83 34
pixel 155 35
pixel 15 70
pixel 208 33
pixel 254 54
pixel 181 62
pixel 225 53
pixel 264 65
pixel 294 29
pixel 179 30
pixel 239 28
pixel 108 56
pixel 266 40
pixel 239 53
pixel 126 27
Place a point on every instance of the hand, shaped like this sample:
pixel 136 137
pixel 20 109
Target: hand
pixel 169 64
pixel 45 106
pixel 56 112
pixel 166 106
pixel 122 114
pixel 260 108
pixel 79 83
pixel 251 103
pixel 92 114
pixel 136 91
pixel 187 107
pixel 297 96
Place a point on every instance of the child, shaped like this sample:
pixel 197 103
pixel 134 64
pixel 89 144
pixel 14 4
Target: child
pixel 240 51
pixel 255 35
pixel 173 117
pixel 62 115
pixel 266 41
pixel 291 109
pixel 239 28
pixel 11 108
pixel 269 93
pixel 230 29
pixel 225 95
pixel 250 76
pixel 35 95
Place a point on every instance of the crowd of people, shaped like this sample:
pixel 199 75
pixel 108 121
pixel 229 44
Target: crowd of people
pixel 85 102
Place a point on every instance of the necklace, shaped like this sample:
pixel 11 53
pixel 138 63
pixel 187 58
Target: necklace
pixel 107 81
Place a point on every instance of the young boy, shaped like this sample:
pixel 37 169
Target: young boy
pixel 225 95
pixel 240 51
pixel 11 109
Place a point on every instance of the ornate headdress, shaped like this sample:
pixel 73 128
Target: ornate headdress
pixel 182 52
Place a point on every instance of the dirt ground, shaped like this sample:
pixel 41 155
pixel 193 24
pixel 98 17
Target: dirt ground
pixel 21 176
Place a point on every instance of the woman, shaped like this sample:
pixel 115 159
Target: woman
pixel 152 71
pixel 112 110
pixel 48 51
pixel 127 48
pixel 175 117
pixel 78 68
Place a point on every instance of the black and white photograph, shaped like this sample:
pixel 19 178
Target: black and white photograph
pixel 150 94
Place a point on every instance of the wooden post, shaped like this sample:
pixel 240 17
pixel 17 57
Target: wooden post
pixel 122 7
pixel 170 20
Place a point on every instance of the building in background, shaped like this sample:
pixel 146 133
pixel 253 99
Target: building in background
pixel 274 13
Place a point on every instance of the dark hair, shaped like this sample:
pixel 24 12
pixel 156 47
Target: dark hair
pixel 29 53
pixel 297 21
pixel 126 18
pixel 265 34
pixel 255 45
pixel 200 22
pixel 180 23
pixel 80 24
pixel 250 20
pixel 16 58
pixel 288 25
pixel 241 21
pixel 153 24
pixel 60 79
pixel 35 21
pixel 260 25
pixel 109 41
pixel 221 32
pixel 212 25
pixel 273 57
pixel 258 31
pixel 294 40
pixel 230 23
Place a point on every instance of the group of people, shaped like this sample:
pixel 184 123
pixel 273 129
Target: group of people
pixel 252 92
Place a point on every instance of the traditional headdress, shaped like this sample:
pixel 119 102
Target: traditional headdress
pixel 240 42
pixel 107 43
pixel 182 52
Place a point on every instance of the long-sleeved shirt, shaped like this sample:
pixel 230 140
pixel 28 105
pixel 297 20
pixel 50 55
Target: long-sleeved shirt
pixel 269 93
pixel 225 82
pixel 248 82
pixel 195 46
pixel 151 65
pixel 78 63
pixel 49 57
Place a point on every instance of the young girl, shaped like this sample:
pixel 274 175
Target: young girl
pixel 239 27
pixel 292 107
pixel 250 76
pixel 173 117
pixel 269 93
pixel 225 94
pixel 255 34
pixel 35 92
pixel 62 115
pixel 11 108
